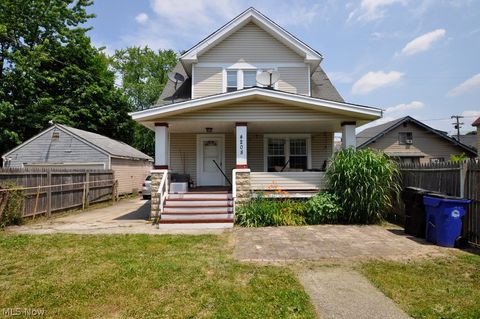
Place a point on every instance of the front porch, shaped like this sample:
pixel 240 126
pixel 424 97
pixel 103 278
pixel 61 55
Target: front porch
pixel 254 140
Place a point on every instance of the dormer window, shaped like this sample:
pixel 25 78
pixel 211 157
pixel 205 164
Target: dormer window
pixel 240 79
pixel 249 78
pixel 232 82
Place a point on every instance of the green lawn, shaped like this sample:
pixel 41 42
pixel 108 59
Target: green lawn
pixel 434 288
pixel 142 276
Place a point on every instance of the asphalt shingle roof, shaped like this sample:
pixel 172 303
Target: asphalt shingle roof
pixel 111 146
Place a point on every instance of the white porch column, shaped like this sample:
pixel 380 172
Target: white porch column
pixel 241 136
pixel 349 138
pixel 162 146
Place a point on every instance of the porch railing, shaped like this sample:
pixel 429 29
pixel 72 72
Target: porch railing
pixel 287 181
pixel 162 193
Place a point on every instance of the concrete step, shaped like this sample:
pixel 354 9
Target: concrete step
pixel 197 209
pixel 196 221
pixel 201 196
pixel 188 226
pixel 200 216
pixel 198 203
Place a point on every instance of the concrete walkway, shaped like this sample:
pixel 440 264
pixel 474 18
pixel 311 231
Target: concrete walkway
pixel 344 294
pixel 128 216
pixel 335 290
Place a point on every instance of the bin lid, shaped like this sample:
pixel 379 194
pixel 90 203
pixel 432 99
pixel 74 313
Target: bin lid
pixel 436 199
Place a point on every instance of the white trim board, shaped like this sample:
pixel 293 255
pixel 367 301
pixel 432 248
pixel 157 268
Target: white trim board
pixel 303 100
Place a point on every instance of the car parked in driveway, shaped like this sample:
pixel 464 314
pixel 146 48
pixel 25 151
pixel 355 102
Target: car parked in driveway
pixel 147 187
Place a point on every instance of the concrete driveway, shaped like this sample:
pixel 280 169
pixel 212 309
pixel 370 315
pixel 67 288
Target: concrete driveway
pixel 128 216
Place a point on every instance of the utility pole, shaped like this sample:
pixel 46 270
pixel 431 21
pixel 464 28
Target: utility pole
pixel 457 124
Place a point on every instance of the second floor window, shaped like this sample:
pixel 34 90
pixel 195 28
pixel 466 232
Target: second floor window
pixel 232 84
pixel 405 138
pixel 249 79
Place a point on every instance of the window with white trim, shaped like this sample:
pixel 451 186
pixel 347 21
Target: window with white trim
pixel 287 153
pixel 232 84
pixel 249 78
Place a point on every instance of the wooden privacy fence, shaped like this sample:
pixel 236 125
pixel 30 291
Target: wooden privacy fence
pixel 47 191
pixel 456 179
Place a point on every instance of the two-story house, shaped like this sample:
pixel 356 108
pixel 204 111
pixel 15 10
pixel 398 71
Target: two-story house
pixel 408 140
pixel 225 126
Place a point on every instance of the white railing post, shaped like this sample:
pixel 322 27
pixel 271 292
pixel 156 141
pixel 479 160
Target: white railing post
pixel 162 193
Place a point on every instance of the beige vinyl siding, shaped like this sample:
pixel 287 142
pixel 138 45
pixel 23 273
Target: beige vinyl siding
pixel 183 150
pixel 294 80
pixel 207 81
pixel 255 152
pixel 130 174
pixel 322 148
pixel 256 110
pixel 265 181
pixel 425 143
pixel 250 44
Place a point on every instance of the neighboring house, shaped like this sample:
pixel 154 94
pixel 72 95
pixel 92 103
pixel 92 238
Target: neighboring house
pixel 258 136
pixel 411 141
pixel 468 139
pixel 65 147
pixel 477 124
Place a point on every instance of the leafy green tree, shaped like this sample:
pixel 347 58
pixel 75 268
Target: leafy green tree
pixel 143 72
pixel 50 71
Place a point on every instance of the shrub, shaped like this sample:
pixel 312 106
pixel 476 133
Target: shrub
pixel 366 183
pixel 261 211
pixel 10 207
pixel 323 208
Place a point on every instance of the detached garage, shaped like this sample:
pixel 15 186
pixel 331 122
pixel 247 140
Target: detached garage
pixel 64 147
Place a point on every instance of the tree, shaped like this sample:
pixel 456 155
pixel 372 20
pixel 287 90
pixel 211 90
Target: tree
pixel 143 73
pixel 49 71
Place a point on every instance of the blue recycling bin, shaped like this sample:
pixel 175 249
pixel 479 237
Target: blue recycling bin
pixel 444 218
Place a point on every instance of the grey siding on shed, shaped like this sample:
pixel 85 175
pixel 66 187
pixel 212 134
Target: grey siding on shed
pixel 66 149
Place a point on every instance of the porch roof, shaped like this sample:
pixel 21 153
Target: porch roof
pixel 353 112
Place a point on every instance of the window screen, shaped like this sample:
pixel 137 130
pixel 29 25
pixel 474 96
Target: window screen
pixel 298 153
pixel 249 79
pixel 231 81
pixel 405 138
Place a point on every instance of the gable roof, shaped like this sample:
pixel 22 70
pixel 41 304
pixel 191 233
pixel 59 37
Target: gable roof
pixel 312 57
pixel 365 112
pixel 369 135
pixel 476 122
pixel 470 140
pixel 105 144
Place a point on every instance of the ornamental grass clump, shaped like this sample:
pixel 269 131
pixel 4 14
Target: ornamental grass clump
pixel 366 184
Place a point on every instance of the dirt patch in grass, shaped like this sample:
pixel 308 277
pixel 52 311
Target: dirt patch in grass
pixel 143 276
pixel 446 287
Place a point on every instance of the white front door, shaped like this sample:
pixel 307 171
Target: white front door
pixel 210 150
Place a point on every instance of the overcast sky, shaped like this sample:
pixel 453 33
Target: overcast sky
pixel 409 57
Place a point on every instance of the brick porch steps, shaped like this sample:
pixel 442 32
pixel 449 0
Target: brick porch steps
pixel 198 210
